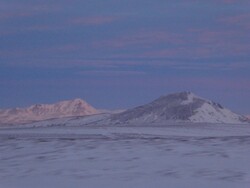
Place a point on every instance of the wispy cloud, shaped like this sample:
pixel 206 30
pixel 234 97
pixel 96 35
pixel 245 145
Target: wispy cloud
pixel 226 2
pixel 229 1
pixel 94 20
pixel 17 17
pixel 241 20
pixel 12 15
pixel 21 10
pixel 142 38
pixel 112 73
pixel 179 52
pixel 225 42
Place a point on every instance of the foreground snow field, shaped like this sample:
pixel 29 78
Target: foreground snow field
pixel 172 156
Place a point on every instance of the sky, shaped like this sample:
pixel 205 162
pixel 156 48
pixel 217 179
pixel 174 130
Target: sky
pixel 117 54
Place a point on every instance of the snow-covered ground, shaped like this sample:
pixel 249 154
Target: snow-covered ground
pixel 173 156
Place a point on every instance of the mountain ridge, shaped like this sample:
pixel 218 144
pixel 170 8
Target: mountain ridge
pixel 38 112
pixel 182 107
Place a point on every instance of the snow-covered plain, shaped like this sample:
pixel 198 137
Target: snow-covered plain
pixel 190 156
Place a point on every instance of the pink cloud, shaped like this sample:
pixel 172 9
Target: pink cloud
pixel 226 83
pixel 6 16
pixel 180 52
pixel 143 39
pixel 230 1
pixel 203 82
pixel 194 43
pixel 96 20
pixel 226 1
pixel 38 27
pixel 223 42
pixel 29 7
pixel 22 10
pixel 237 20
pixel 113 72
pixel 212 36
pixel 67 48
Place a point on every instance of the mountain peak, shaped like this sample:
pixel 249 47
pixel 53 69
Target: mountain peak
pixel 77 100
pixel 181 95
pixel 73 101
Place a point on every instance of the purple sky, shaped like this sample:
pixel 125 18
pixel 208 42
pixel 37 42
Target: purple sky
pixel 119 54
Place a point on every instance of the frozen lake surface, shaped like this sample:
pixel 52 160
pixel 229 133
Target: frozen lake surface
pixel 126 157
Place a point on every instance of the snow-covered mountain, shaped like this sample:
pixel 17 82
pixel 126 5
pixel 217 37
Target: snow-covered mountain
pixel 178 107
pixel 76 107
pixel 183 107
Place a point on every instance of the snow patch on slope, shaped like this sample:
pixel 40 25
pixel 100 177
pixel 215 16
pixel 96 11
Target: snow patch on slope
pixel 67 121
pixel 208 113
pixel 190 99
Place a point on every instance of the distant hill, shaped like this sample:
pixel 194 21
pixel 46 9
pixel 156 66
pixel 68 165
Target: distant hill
pixel 178 107
pixel 76 107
